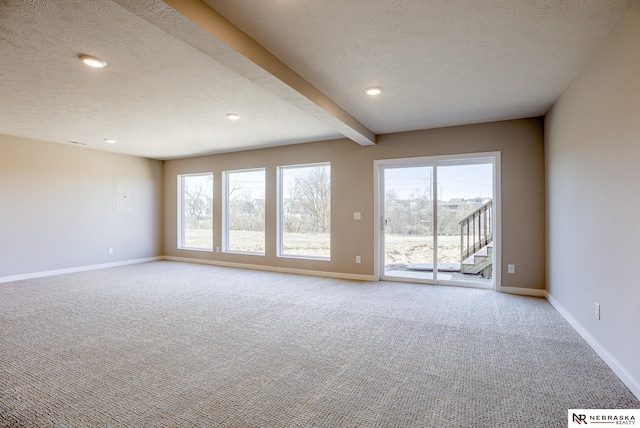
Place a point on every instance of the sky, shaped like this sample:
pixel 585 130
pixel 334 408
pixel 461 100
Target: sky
pixel 251 183
pixel 459 181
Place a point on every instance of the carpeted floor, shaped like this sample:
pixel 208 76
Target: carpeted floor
pixel 167 344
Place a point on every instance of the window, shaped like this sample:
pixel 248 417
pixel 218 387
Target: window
pixel 244 211
pixel 442 213
pixel 195 212
pixel 304 204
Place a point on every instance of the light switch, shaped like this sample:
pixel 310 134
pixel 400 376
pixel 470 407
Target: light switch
pixel 357 216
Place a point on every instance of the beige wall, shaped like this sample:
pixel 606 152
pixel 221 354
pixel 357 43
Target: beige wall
pixel 592 149
pixel 521 146
pixel 56 207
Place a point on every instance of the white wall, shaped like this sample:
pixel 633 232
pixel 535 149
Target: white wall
pixel 592 149
pixel 56 207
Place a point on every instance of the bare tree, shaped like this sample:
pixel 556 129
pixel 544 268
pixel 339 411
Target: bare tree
pixel 311 201
pixel 198 201
pixel 246 212
pixel 307 204
pixel 414 215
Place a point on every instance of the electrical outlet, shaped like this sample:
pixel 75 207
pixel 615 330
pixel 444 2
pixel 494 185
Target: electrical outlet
pixel 511 268
pixel 357 216
pixel 597 311
pixel 110 250
pixel 358 259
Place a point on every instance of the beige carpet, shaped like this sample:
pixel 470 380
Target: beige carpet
pixel 178 345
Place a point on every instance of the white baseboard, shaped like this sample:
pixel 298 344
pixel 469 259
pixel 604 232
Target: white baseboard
pixel 335 275
pixel 75 269
pixel 523 291
pixel 620 371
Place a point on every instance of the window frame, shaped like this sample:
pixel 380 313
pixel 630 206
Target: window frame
pixel 280 211
pixel 181 223
pixel 225 212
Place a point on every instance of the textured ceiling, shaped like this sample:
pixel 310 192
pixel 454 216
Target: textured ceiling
pixel 440 62
pixel 158 96
pixel 169 83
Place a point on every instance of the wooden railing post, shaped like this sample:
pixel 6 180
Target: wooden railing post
pixel 481 233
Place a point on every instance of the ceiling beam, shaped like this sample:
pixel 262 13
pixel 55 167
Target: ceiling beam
pixel 315 102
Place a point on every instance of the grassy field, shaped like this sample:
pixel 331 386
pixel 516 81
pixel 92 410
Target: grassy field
pixel 198 238
pixel 400 249
pixel 246 242
pixel 407 249
pixel 312 245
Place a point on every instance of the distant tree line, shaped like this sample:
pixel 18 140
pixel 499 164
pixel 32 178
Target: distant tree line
pixel 306 207
pixel 414 215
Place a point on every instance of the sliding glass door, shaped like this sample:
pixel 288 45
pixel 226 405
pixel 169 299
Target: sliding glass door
pixel 408 222
pixel 437 219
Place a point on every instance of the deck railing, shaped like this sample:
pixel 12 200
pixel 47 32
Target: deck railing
pixel 476 230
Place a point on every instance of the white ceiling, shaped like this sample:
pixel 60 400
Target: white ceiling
pixel 169 82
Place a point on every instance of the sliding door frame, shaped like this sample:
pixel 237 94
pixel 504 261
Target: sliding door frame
pixel 434 161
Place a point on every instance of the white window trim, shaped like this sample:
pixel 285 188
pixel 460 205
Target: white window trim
pixel 469 159
pixel 279 213
pixel 225 212
pixel 180 223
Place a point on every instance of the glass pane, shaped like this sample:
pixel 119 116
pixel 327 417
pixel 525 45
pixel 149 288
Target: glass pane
pixel 245 211
pixel 465 238
pixel 408 217
pixel 306 211
pixel 197 212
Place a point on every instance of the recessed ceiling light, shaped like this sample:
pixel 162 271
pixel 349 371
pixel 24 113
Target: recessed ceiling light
pixel 233 116
pixel 110 140
pixel 92 61
pixel 374 90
